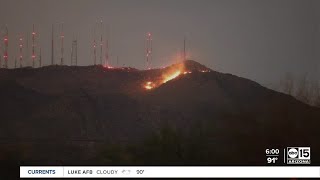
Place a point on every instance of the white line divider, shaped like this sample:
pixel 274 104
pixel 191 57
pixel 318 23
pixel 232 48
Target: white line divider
pixel 170 171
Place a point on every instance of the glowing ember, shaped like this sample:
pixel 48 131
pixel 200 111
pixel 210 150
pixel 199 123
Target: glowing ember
pixel 149 85
pixel 108 67
pixel 205 71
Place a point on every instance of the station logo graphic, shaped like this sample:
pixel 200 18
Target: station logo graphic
pixel 298 155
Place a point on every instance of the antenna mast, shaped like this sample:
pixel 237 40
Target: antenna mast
pixel 118 61
pixel 40 61
pixel 148 51
pixel 0 61
pixel 94 45
pixel 20 50
pixel 27 52
pixel 106 63
pixel 33 46
pixel 0 56
pixel 6 44
pixel 61 38
pixel 101 43
pixel 74 53
pixel 52 46
pixel 184 48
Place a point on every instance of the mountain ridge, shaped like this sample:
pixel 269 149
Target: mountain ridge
pixel 103 105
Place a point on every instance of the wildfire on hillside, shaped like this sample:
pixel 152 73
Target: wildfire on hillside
pixel 168 74
pixel 169 77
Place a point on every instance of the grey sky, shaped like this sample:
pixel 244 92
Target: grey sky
pixel 256 39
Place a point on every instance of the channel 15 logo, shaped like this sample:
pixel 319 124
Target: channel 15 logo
pixel 298 155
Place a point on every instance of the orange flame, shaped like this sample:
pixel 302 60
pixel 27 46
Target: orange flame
pixel 169 74
pixel 173 72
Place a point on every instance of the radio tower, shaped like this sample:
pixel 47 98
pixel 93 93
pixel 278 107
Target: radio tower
pixel 15 62
pixel 40 61
pixel 101 43
pixel 6 44
pixel 0 58
pixel 184 49
pixel 27 50
pixel 118 61
pixel 94 46
pixel 61 38
pixel 33 46
pixel 20 50
pixel 52 46
pixel 74 53
pixel 148 50
pixel 106 63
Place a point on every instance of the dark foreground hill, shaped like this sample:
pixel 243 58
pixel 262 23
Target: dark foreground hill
pixel 94 115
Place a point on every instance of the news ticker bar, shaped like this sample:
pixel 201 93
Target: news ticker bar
pixel 169 172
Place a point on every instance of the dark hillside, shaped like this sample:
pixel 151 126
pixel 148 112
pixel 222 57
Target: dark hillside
pixel 61 114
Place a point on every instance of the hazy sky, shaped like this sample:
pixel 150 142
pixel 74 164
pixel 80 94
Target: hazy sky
pixel 256 39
